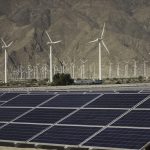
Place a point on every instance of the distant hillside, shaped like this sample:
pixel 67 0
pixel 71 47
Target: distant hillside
pixel 76 22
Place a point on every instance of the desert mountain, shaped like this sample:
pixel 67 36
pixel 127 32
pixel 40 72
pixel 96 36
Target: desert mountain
pixel 76 22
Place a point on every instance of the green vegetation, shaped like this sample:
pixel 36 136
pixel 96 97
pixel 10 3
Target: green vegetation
pixel 62 79
pixel 65 79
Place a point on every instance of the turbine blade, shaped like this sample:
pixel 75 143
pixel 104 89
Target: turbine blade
pixel 93 41
pixel 3 41
pixel 81 60
pixel 48 36
pixel 103 30
pixel 56 42
pixel 9 44
pixel 105 46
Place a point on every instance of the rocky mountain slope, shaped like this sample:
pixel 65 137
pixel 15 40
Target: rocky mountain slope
pixel 76 22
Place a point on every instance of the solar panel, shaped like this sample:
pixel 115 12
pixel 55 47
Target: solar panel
pixel 1 103
pixel 1 93
pixel 146 104
pixel 117 101
pixel 136 118
pixel 45 115
pixel 145 91
pixel 120 138
pixel 128 91
pixel 20 132
pixel 7 114
pixel 28 100
pixel 1 124
pixel 41 122
pixel 70 100
pixel 70 135
pixel 93 117
pixel 8 96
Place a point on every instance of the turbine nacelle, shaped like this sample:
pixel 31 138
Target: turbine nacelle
pixel 5 45
pixel 100 39
pixel 50 42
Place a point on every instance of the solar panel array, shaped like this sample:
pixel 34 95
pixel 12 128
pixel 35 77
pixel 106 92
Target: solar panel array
pixel 109 120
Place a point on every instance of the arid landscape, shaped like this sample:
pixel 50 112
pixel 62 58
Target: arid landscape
pixel 76 22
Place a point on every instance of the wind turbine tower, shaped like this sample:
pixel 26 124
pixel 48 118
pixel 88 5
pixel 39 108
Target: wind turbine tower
pixel 5 46
pixel 110 70
pixel 118 69
pixel 50 43
pixel 135 68
pixel 126 69
pixel 83 67
pixel 100 43
pixel 144 68
pixel 73 69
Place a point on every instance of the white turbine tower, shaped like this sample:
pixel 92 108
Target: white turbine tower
pixel 73 69
pixel 50 43
pixel 135 68
pixel 5 46
pixel 83 67
pixel 110 69
pixel 126 69
pixel 100 43
pixel 144 69
pixel 118 69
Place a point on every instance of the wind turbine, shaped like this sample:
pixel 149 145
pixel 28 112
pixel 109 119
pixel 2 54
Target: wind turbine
pixel 100 43
pixel 144 69
pixel 118 69
pixel 135 68
pixel 5 46
pixel 110 69
pixel 73 69
pixel 83 67
pixel 126 68
pixel 50 43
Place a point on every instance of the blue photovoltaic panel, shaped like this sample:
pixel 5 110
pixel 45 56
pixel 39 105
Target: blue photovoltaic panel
pixel 28 100
pixel 93 117
pixel 136 118
pixel 1 93
pixel 20 132
pixel 121 138
pixel 129 91
pixel 145 91
pixel 1 124
pixel 117 101
pixel 8 96
pixel 45 115
pixel 146 104
pixel 70 135
pixel 70 100
pixel 1 103
pixel 7 114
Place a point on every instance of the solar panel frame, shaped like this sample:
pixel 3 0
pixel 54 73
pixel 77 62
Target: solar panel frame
pixel 128 91
pixel 17 132
pixel 25 98
pixel 146 104
pixel 8 96
pixel 135 118
pixel 48 116
pixel 65 100
pixel 109 139
pixel 77 109
pixel 106 100
pixel 1 124
pixel 72 136
pixel 8 114
pixel 90 117
pixel 1 103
